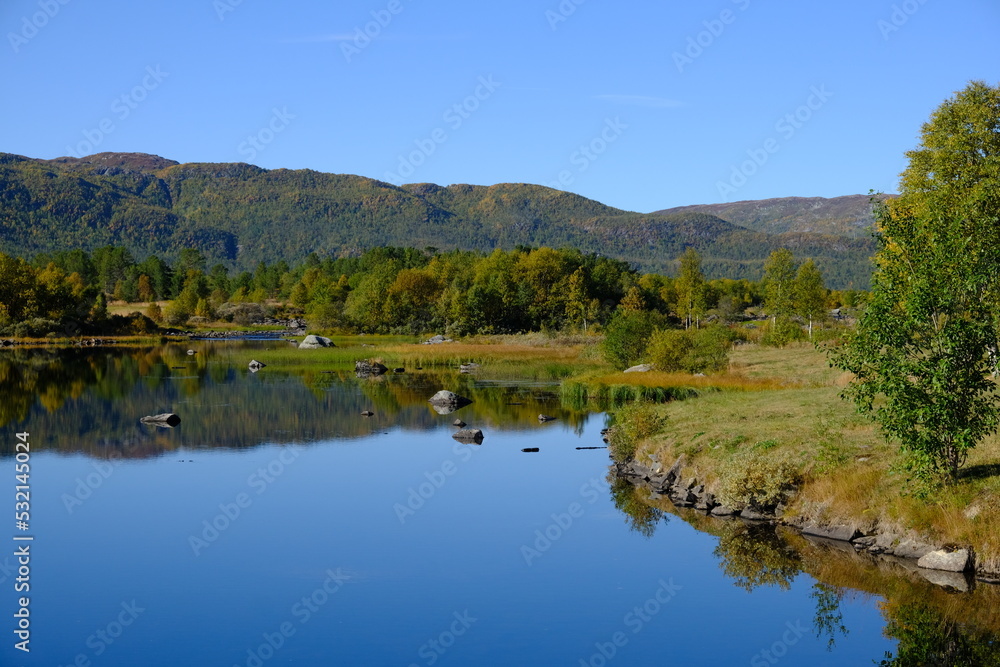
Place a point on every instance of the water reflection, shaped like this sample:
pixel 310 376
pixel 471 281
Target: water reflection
pixel 936 620
pixel 640 516
pixel 928 637
pixel 91 400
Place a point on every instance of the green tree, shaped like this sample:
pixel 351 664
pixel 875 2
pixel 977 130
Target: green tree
pixel 925 347
pixel 779 283
pixel 690 288
pixel 810 293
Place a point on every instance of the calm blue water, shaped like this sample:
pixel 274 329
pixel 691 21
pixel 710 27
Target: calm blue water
pixel 390 544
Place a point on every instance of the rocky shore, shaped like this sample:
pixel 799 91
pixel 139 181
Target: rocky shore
pixel 864 536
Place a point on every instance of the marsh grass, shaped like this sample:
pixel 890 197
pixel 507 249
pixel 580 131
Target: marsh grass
pixel 498 361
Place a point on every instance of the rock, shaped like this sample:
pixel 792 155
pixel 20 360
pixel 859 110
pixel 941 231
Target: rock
pixel 682 497
pixel 167 419
pixel 530 449
pixel 445 402
pixel 545 418
pixel 911 549
pixel 468 368
pixel 722 510
pixel 367 413
pixel 641 368
pixel 368 367
pixel 313 342
pixel 835 532
pixel 436 340
pixel 459 423
pixel 640 471
pixel 255 365
pixel 468 435
pixel 753 515
pixel 944 579
pixel 948 561
pixel 706 502
pixel 675 469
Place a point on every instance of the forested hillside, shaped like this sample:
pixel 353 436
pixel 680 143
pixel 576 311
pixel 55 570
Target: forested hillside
pixel 241 215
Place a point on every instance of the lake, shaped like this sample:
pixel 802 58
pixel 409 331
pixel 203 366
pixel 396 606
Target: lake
pixel 277 526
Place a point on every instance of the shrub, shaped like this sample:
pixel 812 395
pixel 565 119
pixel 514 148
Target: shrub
pixel 626 337
pixel 755 478
pixel 669 349
pixel 154 312
pixel 33 328
pixel 175 314
pixel 243 313
pixel 782 331
pixel 633 424
pixel 694 350
pixel 134 323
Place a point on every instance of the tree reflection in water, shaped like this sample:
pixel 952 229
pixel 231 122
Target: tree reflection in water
pixel 753 555
pixel 640 516
pixel 927 639
pixel 933 626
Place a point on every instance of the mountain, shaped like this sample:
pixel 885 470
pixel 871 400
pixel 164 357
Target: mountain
pixel 241 215
pixel 849 216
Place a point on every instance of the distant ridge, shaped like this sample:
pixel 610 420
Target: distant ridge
pixel 240 214
pixel 849 216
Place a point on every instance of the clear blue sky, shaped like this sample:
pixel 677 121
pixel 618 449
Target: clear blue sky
pixel 199 78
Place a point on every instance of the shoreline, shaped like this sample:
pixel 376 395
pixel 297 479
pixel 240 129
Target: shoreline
pixel 685 491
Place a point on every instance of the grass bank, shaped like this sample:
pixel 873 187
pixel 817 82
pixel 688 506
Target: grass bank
pixel 845 472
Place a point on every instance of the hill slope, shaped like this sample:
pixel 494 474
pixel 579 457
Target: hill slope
pixel 241 214
pixel 849 216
